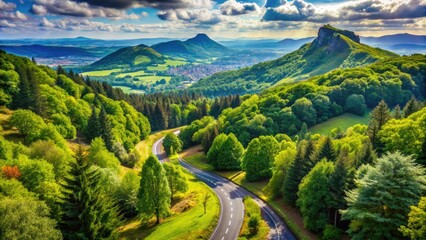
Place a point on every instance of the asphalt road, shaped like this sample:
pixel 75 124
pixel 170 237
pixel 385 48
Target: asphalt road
pixel 231 200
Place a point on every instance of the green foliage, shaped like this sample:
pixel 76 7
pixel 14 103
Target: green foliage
pixel 405 135
pixel 28 123
pixel 331 233
pixel 214 151
pixel 258 161
pixel 378 117
pixel 253 224
pixel 172 144
pixel 325 150
pixel 64 126
pixel 355 104
pixel 298 169
pixel 87 212
pixel 226 153
pixel 416 227
pixel 9 81
pixel 100 156
pixel 154 192
pixel 26 218
pixel 187 133
pixel 175 178
pixel 379 204
pixel 127 194
pixel 314 197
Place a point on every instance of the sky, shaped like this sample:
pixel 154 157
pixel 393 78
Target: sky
pixel 128 19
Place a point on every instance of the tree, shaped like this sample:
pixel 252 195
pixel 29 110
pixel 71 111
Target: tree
pixel 93 129
pixel 411 107
pixel 10 172
pixel 367 155
pixel 206 196
pixel 175 178
pixel 175 116
pixel 378 117
pixel 397 113
pixel 258 160
pixel 106 129
pixel 422 156
pixel 298 169
pixel 28 123
pixel 379 204
pixel 172 144
pixel 337 188
pixel 213 153
pixel 355 104
pixel 304 111
pixel 230 154
pixel 26 218
pixel 154 192
pixel 416 227
pixel 314 197
pixel 99 155
pixel 325 150
pixel 87 212
pixel 127 194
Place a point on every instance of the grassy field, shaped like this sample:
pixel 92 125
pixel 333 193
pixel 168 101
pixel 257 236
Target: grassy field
pixel 250 209
pixel 132 74
pixel 174 63
pixel 141 60
pixel 101 73
pixel 187 221
pixel 343 122
pixel 129 90
pixel 159 67
pixel 153 79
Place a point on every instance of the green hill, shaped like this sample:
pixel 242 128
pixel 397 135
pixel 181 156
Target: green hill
pixel 333 48
pixel 129 57
pixel 199 47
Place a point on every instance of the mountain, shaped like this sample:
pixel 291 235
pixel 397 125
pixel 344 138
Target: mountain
pixel 332 48
pixel 294 43
pixel 199 47
pixel 404 38
pixel 41 51
pixel 129 57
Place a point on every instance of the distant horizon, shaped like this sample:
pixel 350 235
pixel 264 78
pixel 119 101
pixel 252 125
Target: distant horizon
pixel 217 38
pixel 270 19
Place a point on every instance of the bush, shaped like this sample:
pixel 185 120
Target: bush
pixel 253 224
pixel 331 232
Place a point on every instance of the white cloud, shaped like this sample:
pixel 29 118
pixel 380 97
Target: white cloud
pixel 198 16
pixel 46 23
pixel 7 6
pixel 232 7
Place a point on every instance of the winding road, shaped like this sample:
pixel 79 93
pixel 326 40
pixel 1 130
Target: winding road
pixel 231 200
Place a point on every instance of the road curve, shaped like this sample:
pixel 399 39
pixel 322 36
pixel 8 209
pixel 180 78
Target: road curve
pixel 231 200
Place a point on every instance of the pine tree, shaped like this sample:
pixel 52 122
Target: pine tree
pixel 325 150
pixel 154 192
pixel 105 129
pixel 411 107
pixel 23 98
pixel 93 128
pixel 366 155
pixel 87 213
pixel 297 170
pixel 337 190
pixel 397 113
pixel 379 116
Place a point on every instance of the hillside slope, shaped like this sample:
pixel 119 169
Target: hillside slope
pixel 333 48
pixel 199 47
pixel 129 57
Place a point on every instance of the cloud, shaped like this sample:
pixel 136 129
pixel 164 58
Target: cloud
pixel 7 6
pixel 158 4
pixel 46 23
pixel 233 8
pixel 129 28
pixel 6 24
pixel 13 16
pixel 74 9
pixel 198 16
pixel 299 10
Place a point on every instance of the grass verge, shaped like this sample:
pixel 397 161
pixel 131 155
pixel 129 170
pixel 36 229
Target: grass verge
pixel 187 221
pixel 252 210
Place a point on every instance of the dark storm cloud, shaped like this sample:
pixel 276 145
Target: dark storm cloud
pixel 158 4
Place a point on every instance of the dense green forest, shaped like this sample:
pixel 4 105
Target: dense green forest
pixel 333 48
pixel 367 180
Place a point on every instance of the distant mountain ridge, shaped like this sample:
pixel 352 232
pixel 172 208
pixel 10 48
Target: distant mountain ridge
pixel 332 48
pixel 129 57
pixel 199 47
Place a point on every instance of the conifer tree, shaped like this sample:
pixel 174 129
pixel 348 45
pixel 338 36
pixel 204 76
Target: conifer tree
pixel 397 113
pixel 325 150
pixel 366 155
pixel 379 116
pixel 105 129
pixel 93 128
pixel 154 192
pixel 337 190
pixel 422 155
pixel 411 107
pixel 297 170
pixel 87 213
